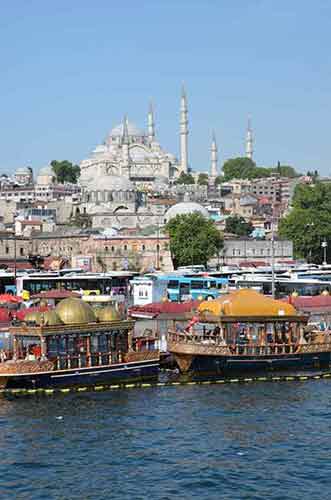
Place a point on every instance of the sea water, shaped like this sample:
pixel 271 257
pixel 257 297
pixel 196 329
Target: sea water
pixel 265 440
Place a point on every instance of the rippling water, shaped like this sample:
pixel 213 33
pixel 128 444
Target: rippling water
pixel 254 441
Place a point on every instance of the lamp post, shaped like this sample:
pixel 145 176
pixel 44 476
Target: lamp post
pixel 324 246
pixel 272 258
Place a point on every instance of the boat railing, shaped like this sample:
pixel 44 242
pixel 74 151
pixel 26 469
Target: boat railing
pixel 208 343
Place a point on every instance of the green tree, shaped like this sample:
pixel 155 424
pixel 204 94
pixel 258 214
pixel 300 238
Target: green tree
pixel 185 178
pixel 65 171
pixel 245 168
pixel 237 225
pixel 287 171
pixel 193 239
pixel 238 168
pixel 203 179
pixel 219 179
pixel 309 224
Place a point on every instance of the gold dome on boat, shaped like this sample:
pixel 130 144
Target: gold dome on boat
pixel 33 316
pixel 74 310
pixel 108 313
pixel 51 318
pixel 246 302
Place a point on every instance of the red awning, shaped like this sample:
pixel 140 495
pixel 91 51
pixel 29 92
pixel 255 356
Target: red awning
pixel 7 298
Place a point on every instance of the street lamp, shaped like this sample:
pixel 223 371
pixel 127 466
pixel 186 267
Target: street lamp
pixel 324 246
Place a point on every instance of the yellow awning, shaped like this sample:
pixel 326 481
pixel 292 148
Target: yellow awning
pixel 246 302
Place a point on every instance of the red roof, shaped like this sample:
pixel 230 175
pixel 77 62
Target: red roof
pixel 318 301
pixel 8 298
pixel 31 222
pixel 252 263
pixel 55 294
pixel 164 308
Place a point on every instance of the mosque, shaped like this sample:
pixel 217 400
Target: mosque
pixel 134 155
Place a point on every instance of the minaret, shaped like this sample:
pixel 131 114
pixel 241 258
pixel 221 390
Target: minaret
pixel 183 133
pixel 214 159
pixel 125 145
pixel 151 125
pixel 249 141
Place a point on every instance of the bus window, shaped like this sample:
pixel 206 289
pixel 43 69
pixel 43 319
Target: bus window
pixel 173 284
pixel 197 285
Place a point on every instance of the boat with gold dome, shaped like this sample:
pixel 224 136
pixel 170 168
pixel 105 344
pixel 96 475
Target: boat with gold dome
pixel 73 344
pixel 247 331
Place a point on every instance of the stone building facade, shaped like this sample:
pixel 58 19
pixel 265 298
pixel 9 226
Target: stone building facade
pixel 240 250
pixel 139 253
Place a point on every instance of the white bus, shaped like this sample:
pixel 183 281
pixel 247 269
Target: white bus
pixel 112 283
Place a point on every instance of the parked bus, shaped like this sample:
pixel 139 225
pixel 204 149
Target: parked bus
pixel 113 283
pixel 202 287
pixel 283 286
pixel 7 282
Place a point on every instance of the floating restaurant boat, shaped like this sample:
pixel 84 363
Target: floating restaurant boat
pixel 70 346
pixel 246 331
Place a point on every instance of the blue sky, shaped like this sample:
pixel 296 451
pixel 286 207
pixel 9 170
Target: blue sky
pixel 71 69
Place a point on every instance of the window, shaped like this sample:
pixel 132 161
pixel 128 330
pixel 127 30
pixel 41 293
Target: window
pixel 113 249
pixel 106 249
pixel 21 251
pixel 143 248
pixel 7 250
pixel 196 285
pixel 125 247
pixel 173 284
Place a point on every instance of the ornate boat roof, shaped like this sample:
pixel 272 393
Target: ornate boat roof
pixel 246 303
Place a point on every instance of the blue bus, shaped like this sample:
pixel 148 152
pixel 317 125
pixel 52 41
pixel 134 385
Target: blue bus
pixel 205 288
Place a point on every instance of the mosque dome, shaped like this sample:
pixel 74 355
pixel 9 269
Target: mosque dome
pixel 108 313
pixel 48 170
pixel 185 207
pixel 133 130
pixel 111 183
pixel 51 318
pixel 73 310
pixel 23 171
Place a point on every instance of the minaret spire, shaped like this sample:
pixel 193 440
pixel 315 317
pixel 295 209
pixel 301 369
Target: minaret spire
pixel 125 136
pixel 214 159
pixel 125 147
pixel 151 125
pixel 249 140
pixel 183 132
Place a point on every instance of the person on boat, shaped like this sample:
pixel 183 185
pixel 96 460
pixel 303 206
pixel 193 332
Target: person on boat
pixel 3 356
pixel 30 356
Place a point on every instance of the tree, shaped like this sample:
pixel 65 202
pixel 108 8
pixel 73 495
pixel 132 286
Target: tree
pixel 237 225
pixel 65 171
pixel 238 168
pixel 185 178
pixel 245 168
pixel 203 179
pixel 287 171
pixel 308 224
pixel 219 179
pixel 194 239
